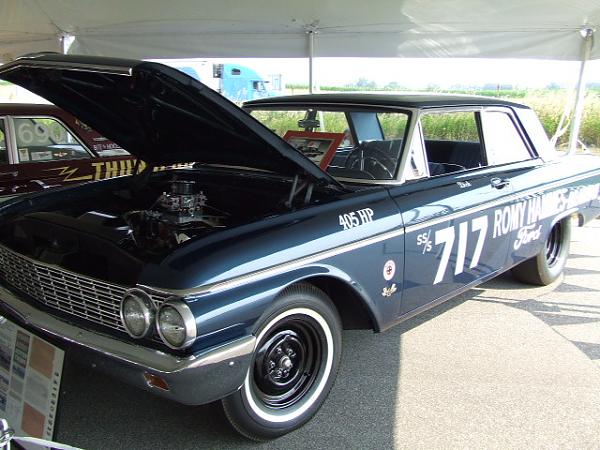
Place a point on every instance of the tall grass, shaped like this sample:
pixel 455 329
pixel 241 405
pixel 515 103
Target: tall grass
pixel 548 104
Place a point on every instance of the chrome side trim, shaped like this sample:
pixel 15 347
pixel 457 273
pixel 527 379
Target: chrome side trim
pixel 369 182
pixel 132 354
pixel 293 264
pixel 556 184
pixel 508 198
pixel 431 222
pixel 281 268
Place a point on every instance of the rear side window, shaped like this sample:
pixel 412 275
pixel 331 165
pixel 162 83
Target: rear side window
pixel 42 139
pixel 451 141
pixel 457 126
pixel 503 142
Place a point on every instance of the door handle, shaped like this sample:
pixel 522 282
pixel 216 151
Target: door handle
pixel 9 174
pixel 499 183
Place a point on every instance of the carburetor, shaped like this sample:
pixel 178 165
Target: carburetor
pixel 183 204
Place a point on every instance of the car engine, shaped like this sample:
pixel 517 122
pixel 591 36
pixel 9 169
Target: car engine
pixel 175 217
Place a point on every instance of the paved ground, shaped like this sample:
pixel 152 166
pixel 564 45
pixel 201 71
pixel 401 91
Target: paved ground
pixel 503 366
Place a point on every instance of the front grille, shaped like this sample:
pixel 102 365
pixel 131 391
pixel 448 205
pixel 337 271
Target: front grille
pixel 69 292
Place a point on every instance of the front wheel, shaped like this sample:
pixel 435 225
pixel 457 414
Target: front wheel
pixel 548 264
pixel 295 362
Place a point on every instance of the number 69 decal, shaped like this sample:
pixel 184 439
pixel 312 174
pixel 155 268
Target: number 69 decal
pixel 447 237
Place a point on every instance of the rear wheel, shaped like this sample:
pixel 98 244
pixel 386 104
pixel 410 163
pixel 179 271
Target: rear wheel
pixel 548 264
pixel 295 363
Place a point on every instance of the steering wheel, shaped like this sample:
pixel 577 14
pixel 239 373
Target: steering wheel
pixel 369 159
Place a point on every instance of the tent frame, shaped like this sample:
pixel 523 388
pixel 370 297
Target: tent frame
pixel 587 33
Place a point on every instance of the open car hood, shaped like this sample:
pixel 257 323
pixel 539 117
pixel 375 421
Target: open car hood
pixel 157 113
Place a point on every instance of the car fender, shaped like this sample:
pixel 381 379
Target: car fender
pixel 227 314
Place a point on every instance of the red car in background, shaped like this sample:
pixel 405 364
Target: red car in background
pixel 42 146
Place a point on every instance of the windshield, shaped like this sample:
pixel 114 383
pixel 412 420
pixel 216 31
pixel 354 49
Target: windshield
pixel 360 144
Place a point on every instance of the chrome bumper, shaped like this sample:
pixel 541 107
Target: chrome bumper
pixel 199 378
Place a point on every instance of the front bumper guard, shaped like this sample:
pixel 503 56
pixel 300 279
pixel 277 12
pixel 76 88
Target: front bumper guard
pixel 200 378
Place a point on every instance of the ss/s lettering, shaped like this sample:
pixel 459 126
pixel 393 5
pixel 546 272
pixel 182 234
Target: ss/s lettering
pixel 356 218
pixel 424 240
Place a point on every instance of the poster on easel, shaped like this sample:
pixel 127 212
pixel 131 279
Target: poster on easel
pixel 30 375
pixel 317 146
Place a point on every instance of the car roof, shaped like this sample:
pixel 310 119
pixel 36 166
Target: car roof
pixel 408 100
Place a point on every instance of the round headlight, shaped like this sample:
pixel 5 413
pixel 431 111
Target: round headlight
pixel 176 324
pixel 137 313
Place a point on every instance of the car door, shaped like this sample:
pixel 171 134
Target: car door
pixel 449 212
pixel 527 219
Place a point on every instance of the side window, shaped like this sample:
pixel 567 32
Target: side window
pixel 393 125
pixel 46 139
pixel 333 122
pixel 503 143
pixel 3 150
pixel 279 122
pixel 451 141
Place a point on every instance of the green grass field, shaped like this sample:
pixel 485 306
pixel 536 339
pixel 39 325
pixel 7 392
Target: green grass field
pixel 549 105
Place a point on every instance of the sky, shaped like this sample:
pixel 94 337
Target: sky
pixel 414 73
pixel 408 73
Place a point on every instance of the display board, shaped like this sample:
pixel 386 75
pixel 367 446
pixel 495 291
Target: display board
pixel 317 146
pixel 30 375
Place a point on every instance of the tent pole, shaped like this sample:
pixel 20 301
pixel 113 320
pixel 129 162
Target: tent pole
pixel 587 35
pixel 311 30
pixel 64 42
pixel 311 56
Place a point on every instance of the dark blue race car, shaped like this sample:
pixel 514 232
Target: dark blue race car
pixel 233 277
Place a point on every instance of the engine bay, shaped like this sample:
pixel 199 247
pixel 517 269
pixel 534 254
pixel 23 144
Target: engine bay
pixel 112 229
pixel 178 214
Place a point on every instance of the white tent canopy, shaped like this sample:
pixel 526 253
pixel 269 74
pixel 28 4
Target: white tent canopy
pixel 547 29
pixel 544 29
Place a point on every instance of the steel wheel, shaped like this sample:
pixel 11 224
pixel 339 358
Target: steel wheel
pixel 278 394
pixel 547 265
pixel 287 363
pixel 296 357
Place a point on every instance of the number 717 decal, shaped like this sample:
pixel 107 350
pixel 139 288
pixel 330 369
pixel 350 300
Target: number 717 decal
pixel 447 237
